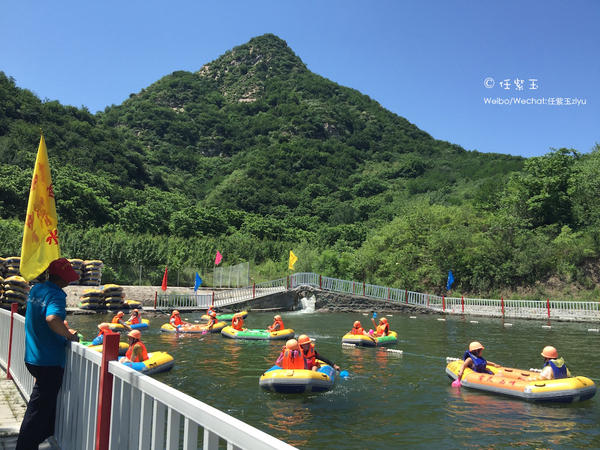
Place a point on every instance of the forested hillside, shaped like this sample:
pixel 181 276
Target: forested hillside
pixel 255 155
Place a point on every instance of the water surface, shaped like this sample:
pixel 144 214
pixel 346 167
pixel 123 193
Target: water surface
pixel 389 400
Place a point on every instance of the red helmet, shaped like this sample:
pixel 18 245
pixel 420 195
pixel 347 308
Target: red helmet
pixel 292 344
pixel 304 339
pixel 357 324
pixel 383 320
pixel 175 313
pixel 550 352
pixel 213 314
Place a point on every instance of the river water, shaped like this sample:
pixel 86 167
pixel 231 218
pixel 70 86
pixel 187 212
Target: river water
pixel 389 400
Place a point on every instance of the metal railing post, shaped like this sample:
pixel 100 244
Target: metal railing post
pixel 110 352
pixel 502 305
pixel 443 303
pixel 363 288
pixel 155 299
pixel 320 282
pixel 13 310
pixel 462 303
pixel 253 290
pixel 548 306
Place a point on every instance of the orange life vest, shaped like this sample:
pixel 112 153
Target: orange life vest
pixel 292 359
pixel 281 326
pixel 116 319
pixel 357 331
pixel 135 320
pixel 310 356
pixel 130 352
pixel 383 330
pixel 176 320
pixel 237 323
pixel 102 332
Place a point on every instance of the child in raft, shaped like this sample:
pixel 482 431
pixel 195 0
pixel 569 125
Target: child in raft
pixel 137 350
pixel 311 355
pixel 104 328
pixel 383 329
pixel 135 317
pixel 176 320
pixel 475 361
pixel 359 330
pixel 277 324
pixel 212 320
pixel 291 356
pixel 554 367
pixel 118 318
pixel 237 322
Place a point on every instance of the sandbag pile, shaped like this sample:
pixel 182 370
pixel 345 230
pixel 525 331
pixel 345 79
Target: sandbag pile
pixel 92 273
pixel 113 297
pixel 16 290
pixel 12 266
pixel 77 265
pixel 92 299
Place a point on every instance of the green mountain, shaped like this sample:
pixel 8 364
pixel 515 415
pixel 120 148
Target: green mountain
pixel 253 154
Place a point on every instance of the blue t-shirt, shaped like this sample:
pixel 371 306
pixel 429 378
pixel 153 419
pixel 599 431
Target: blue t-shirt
pixel 43 347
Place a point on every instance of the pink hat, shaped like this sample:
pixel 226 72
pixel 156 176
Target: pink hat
pixel 63 269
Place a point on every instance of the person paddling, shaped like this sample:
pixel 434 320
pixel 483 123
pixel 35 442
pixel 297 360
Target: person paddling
pixel 383 329
pixel 176 320
pixel 311 355
pixel 475 361
pixel 212 321
pixel 357 329
pixel 118 318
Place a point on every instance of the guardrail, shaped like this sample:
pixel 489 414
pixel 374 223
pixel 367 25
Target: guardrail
pixel 142 412
pixel 530 309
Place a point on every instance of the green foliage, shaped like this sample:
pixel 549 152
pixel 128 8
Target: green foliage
pixel 254 155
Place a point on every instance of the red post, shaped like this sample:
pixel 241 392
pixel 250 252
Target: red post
pixel 292 282
pixel 428 300
pixel 363 288
pixel 548 306
pixel 110 352
pixel 443 303
pixel 253 290
pixel 462 303
pixel 212 301
pixel 13 310
pixel 502 304
pixel 155 299
pixel 320 282
pixel 405 296
pixel 388 293
pixel 287 282
pixel 353 287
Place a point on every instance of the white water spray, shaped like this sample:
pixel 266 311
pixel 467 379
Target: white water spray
pixel 308 304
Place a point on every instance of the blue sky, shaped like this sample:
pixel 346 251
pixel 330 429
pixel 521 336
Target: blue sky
pixel 424 60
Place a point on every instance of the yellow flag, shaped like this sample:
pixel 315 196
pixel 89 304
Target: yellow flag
pixel 40 234
pixel 293 259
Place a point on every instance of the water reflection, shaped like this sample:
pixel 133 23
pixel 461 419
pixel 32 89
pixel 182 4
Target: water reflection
pixel 289 417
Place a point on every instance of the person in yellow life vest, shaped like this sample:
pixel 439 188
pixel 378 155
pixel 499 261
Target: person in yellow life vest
pixel 554 367
pixel 137 350
pixel 135 317
pixel 291 356
pixel 118 318
pixel 212 320
pixel 277 324
pixel 307 347
pixel 237 322
pixel 383 329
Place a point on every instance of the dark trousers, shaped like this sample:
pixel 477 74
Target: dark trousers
pixel 38 422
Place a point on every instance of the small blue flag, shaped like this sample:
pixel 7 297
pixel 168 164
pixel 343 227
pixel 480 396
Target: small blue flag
pixel 450 280
pixel 198 282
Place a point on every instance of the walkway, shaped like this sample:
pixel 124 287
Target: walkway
pixel 12 409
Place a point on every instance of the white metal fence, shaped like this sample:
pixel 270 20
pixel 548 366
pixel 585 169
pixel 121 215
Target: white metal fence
pixel 530 309
pixel 145 413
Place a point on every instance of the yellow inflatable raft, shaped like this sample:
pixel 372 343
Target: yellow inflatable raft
pixel 123 347
pixel 367 341
pixel 192 328
pixel 156 362
pixel 297 381
pixel 524 384
pixel 138 326
pixel 232 333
